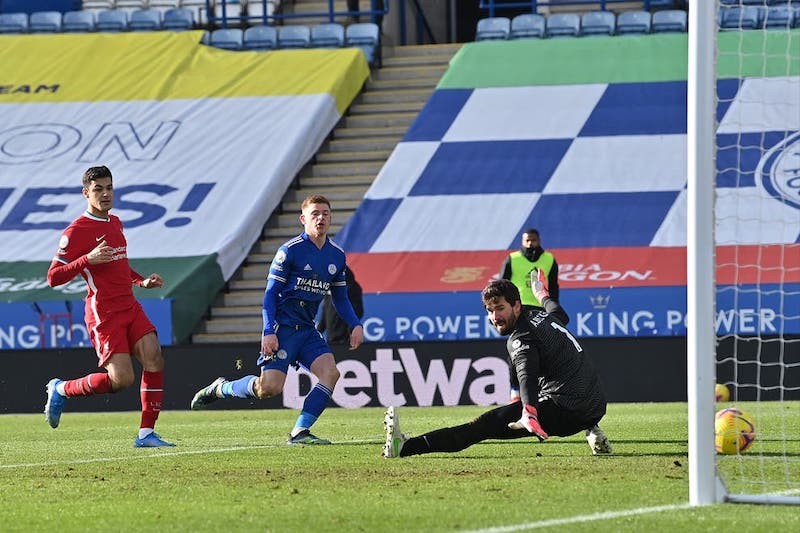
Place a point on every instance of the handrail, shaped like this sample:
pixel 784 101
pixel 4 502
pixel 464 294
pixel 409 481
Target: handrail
pixel 266 18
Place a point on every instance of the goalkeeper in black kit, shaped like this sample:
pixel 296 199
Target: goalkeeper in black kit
pixel 560 390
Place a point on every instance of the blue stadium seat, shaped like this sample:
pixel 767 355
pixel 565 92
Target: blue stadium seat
pixel 145 20
pixel 746 17
pixel 327 36
pixel 178 19
pixel 227 38
pixel 112 20
pixel 366 36
pixel 260 38
pixel 633 22
pixel 77 22
pixel 564 25
pixel 45 22
pixel 527 26
pixel 13 22
pixel 493 28
pixel 598 23
pixel 294 37
pixel 669 21
pixel 780 17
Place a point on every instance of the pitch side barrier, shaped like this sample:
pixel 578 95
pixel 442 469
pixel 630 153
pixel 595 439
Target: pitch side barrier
pixel 415 374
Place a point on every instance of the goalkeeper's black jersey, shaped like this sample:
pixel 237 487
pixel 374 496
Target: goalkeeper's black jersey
pixel 550 363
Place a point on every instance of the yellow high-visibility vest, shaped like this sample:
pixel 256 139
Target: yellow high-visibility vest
pixel 521 269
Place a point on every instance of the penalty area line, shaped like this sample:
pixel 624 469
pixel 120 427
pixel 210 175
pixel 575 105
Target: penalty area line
pixel 582 518
pixel 176 453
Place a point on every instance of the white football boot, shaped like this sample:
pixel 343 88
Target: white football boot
pixel 598 441
pixel 394 438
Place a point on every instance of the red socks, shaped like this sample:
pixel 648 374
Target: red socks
pixel 89 385
pixel 152 393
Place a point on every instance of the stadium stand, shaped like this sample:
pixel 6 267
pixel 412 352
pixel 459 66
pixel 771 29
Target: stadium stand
pixel 563 25
pixel 177 19
pixel 329 35
pixel 598 23
pixel 780 17
pixel 227 38
pixel 669 21
pixel 367 36
pixel 13 23
pixel 112 20
pixel 78 22
pixel 633 22
pixel 145 20
pixel 493 28
pixel 745 17
pixel 527 26
pixel 45 22
pixel 294 37
pixel 260 38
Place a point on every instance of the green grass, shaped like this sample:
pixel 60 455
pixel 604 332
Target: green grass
pixel 232 472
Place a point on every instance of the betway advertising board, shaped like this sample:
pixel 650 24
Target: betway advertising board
pixel 586 141
pixel 202 144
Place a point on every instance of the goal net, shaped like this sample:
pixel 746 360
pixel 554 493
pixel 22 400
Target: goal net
pixel 743 246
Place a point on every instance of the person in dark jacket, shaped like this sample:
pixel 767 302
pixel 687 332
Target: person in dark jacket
pixel 330 323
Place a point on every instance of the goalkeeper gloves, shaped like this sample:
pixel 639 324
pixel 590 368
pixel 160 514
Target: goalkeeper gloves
pixel 539 285
pixel 529 421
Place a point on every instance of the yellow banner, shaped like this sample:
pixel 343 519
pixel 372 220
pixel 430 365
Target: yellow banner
pixel 164 66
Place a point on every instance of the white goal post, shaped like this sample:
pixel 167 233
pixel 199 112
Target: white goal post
pixel 743 225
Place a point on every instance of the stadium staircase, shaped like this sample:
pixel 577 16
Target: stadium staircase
pixel 342 170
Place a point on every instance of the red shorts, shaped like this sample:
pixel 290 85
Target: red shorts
pixel 118 332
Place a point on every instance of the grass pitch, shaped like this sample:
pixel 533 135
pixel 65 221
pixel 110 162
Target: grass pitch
pixel 232 471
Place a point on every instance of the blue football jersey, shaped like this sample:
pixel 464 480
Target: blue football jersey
pixel 299 278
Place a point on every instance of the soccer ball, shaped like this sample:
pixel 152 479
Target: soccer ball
pixel 722 393
pixel 734 431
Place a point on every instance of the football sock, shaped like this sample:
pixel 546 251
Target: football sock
pixel 143 432
pixel 99 383
pixel 316 402
pixel 241 388
pixel 152 393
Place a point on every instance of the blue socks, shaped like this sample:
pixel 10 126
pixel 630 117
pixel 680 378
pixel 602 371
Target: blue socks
pixel 316 402
pixel 241 388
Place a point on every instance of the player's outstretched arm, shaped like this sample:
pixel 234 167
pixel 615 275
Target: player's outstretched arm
pixel 356 337
pixel 153 281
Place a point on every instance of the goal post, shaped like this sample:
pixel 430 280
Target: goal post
pixel 743 247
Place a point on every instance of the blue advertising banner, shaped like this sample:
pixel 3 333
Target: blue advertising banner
pixel 59 324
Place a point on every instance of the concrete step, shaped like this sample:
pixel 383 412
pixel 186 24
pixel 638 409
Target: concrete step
pixel 377 84
pixel 379 121
pixel 410 73
pixel 333 192
pixel 390 108
pixel 248 285
pixel 379 144
pixel 417 61
pixel 244 298
pixel 397 95
pixel 352 157
pixel 316 182
pixel 423 50
pixel 236 311
pixel 234 325
pixel 365 133
pixel 344 169
pixel 224 338
pixel 256 271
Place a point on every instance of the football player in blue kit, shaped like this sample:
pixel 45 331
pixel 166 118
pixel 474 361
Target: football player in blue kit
pixel 303 270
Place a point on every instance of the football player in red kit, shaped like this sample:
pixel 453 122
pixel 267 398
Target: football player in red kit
pixel 95 247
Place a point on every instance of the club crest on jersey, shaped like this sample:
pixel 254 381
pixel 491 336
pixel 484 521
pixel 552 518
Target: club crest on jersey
pixel 516 343
pixel 331 269
pixel 281 354
pixel 280 257
pixel 779 171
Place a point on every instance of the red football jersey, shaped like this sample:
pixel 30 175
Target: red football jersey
pixel 110 285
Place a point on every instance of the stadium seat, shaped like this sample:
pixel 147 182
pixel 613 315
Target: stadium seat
pixel 598 23
pixel 112 20
pixel 260 38
pixel 45 22
pixel 13 22
pixel 563 25
pixel 366 36
pixel 493 28
pixel 227 38
pixel 669 21
pixel 633 22
pixel 130 5
pixel 780 17
pixel 77 22
pixel 294 37
pixel 527 26
pixel 739 18
pixel 178 19
pixel 327 36
pixel 145 20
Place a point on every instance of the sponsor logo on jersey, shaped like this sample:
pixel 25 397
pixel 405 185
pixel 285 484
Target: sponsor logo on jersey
pixel 313 285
